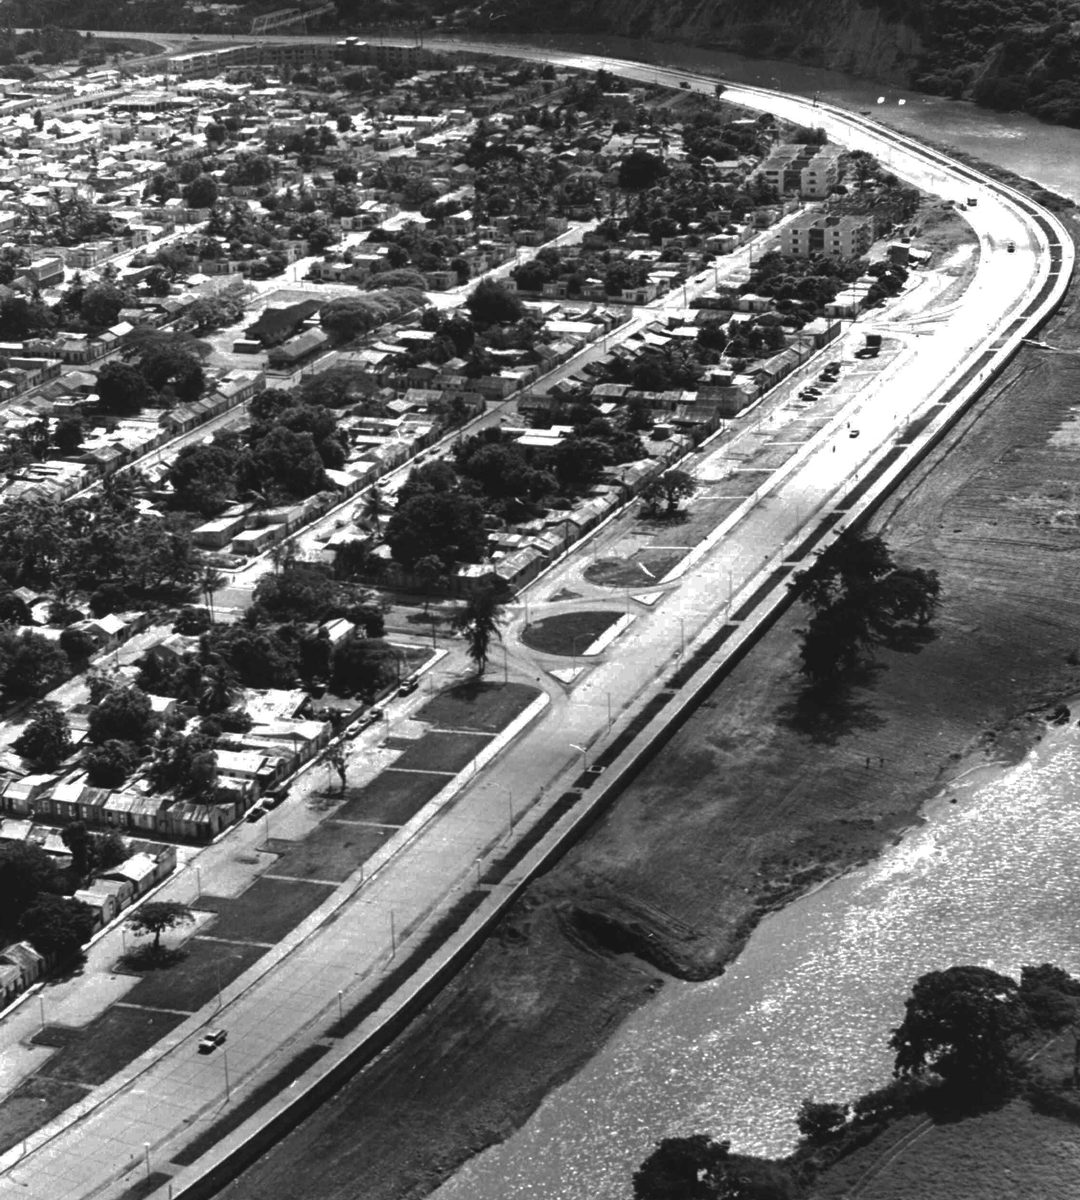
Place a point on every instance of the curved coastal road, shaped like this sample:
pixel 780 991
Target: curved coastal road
pixel 96 1155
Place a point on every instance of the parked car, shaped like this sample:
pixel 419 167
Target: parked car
pixel 255 812
pixel 408 686
pixel 1011 247
pixel 812 391
pixel 853 433
pixel 210 1040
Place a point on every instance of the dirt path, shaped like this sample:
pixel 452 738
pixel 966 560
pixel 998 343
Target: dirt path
pixel 755 798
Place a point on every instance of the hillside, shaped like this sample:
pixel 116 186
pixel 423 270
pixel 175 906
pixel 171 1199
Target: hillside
pixel 1004 54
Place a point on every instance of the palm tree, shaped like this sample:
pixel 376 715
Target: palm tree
pixel 217 689
pixel 209 581
pixel 479 619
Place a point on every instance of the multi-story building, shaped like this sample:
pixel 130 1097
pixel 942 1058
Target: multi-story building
pixel 835 236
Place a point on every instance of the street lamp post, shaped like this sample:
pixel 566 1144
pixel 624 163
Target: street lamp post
pixel 510 805
pixel 146 1156
pixel 225 1063
pixel 584 754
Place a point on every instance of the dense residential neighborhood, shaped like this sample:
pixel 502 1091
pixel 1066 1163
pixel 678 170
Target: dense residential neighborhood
pixel 293 333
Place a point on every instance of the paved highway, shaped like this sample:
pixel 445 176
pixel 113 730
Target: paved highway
pixel 151 1114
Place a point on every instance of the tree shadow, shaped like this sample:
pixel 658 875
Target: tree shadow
pixel 910 639
pixel 948 1104
pixel 146 958
pixel 827 712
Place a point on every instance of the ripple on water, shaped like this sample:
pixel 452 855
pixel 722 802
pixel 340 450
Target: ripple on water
pixel 807 1008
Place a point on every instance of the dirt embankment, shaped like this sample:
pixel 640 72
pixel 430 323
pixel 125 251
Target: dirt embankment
pixel 757 796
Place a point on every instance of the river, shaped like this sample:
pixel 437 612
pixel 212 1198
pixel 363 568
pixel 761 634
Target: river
pixel 807 1007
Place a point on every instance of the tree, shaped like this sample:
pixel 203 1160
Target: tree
pixel 78 644
pixel 125 714
pixel 201 192
pixel 31 664
pixel 215 133
pixel 81 846
pixel 859 598
pixel 300 592
pixel 448 525
pixel 170 365
pixel 110 850
pixel 26 871
pixel 46 740
pixel 121 389
pixel 57 926
pixel 203 478
pixel 699 1168
pixel 291 461
pixel 158 916
pixel 671 487
pixel 478 620
pixel 109 765
pixel 68 435
pixel 640 170
pixel 957 1023
pixel 362 665
pixel 818 1122
pixel 101 304
pixel 491 303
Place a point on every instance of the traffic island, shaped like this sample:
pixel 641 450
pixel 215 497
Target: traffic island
pixel 569 634
pixel 639 570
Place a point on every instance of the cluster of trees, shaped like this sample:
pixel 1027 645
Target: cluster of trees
pixel 859 598
pixel 101 547
pixel 164 369
pixel 801 287
pixel 575 267
pixel 275 645
pixel 439 520
pixel 33 904
pixel 282 455
pixel 349 317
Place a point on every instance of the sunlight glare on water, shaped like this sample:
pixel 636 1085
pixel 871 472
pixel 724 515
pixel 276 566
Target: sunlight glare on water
pixel 807 1008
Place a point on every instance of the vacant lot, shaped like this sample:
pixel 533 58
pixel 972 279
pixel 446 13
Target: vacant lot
pixel 33 1103
pixel 446 752
pixel 266 912
pixel 110 1042
pixel 332 851
pixel 195 979
pixel 391 798
pixel 478 704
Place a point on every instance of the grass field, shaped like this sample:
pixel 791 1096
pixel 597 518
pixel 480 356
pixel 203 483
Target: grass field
pixel 478 705
pixel 391 798
pixel 1011 1154
pixel 332 851
pixel 642 570
pixel 108 1043
pixel 268 910
pixel 568 633
pixel 447 752
pixel 34 1102
pixel 193 981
